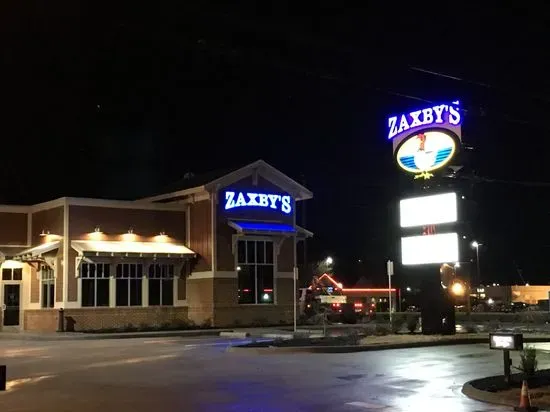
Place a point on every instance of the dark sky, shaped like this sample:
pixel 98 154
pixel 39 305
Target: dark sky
pixel 118 102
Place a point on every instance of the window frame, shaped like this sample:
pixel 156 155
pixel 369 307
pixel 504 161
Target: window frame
pixel 161 279
pixel 255 265
pixel 129 279
pixel 12 274
pixel 50 282
pixel 96 278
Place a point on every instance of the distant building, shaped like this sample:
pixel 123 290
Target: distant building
pixel 531 294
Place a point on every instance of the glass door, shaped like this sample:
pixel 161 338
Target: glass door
pixel 11 305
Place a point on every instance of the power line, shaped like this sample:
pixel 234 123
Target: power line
pixel 481 84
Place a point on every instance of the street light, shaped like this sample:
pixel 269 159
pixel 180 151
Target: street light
pixel 408 289
pixel 458 289
pixel 329 261
pixel 476 245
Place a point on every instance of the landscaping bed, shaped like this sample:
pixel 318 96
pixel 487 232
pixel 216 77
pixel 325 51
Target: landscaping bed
pixel 495 390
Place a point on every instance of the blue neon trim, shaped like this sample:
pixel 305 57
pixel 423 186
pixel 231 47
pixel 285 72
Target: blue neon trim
pixel 266 227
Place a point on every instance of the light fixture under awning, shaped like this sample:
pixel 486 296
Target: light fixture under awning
pixel 106 247
pixel 270 228
pixel 38 251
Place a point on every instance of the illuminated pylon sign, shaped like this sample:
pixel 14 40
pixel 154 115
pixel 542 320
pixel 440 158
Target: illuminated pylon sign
pixel 425 152
pixel 426 140
pixel 436 115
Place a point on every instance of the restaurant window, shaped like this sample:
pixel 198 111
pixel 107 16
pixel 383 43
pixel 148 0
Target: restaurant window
pixel 47 290
pixel 95 284
pixel 12 274
pixel 161 285
pixel 255 270
pixel 128 284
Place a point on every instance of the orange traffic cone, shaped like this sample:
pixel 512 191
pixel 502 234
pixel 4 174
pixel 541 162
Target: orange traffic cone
pixel 525 400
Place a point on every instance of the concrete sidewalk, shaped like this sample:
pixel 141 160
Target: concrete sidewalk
pixel 61 336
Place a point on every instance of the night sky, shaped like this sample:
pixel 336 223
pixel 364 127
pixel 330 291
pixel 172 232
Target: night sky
pixel 121 101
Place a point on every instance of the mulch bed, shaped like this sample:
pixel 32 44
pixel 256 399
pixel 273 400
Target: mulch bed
pixel 497 383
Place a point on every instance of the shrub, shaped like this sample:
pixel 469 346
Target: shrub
pixel 130 328
pixel 180 324
pixel 412 323
pixel 397 323
pixel 352 337
pixel 528 361
pixel 206 324
pixel 259 322
pixel 381 330
pixel 144 327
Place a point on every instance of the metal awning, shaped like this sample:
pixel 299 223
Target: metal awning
pixel 140 249
pixel 38 251
pixel 269 228
pixel 303 233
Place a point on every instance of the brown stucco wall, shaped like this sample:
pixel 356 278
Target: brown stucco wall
pixel 48 220
pixel 200 233
pixel 115 222
pixel 13 228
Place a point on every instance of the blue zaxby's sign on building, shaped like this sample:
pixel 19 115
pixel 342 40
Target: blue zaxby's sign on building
pixel 243 199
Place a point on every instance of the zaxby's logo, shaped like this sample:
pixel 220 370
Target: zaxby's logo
pixel 425 152
pixel 436 115
pixel 235 200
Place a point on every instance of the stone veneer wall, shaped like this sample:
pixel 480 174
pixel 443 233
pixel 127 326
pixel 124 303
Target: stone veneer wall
pixel 227 312
pixel 41 320
pixel 85 319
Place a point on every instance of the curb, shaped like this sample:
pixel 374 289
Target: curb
pixel 367 348
pixel 232 334
pixel 484 396
pixel 101 336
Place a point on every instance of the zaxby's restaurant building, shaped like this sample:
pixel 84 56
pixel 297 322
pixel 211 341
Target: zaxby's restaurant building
pixel 219 251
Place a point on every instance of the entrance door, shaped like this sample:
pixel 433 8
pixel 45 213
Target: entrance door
pixel 11 305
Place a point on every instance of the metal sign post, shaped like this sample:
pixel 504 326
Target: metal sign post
pixel 295 277
pixel 506 342
pixel 389 267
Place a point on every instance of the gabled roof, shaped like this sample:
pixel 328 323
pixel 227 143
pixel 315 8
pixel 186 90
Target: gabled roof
pixel 213 181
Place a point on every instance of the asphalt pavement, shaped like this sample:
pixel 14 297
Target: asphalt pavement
pixel 198 374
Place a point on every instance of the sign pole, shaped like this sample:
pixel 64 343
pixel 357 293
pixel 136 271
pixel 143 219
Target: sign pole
pixel 295 292
pixel 389 265
pixel 507 364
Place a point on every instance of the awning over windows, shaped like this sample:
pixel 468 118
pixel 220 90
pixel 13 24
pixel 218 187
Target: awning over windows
pixel 269 228
pixel 38 251
pixel 142 249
